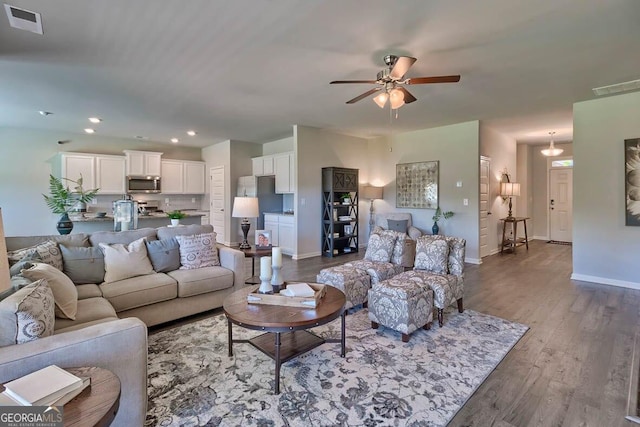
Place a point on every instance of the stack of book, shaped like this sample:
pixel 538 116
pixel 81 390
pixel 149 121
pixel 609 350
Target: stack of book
pixel 50 386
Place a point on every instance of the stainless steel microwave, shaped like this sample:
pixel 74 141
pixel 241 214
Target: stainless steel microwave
pixel 143 184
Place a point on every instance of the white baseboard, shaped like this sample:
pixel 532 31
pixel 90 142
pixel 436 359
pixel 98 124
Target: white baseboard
pixel 540 238
pixel 473 260
pixel 605 281
pixel 307 255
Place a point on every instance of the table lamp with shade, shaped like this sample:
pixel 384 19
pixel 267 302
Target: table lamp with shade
pixel 509 189
pixel 245 208
pixel 372 193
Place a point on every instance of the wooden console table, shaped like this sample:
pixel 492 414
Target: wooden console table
pixel 512 243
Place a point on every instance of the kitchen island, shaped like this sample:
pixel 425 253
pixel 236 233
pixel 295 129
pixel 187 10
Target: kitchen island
pixel 88 223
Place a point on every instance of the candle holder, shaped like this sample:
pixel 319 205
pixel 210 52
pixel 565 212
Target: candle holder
pixel 265 285
pixel 276 280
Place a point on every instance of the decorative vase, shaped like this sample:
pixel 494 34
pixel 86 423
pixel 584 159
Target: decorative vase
pixel 435 229
pixel 64 225
pixel 175 222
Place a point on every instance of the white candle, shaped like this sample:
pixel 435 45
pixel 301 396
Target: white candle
pixel 276 253
pixel 265 267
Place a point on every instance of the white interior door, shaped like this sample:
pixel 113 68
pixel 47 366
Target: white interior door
pixel 560 204
pixel 216 201
pixel 485 167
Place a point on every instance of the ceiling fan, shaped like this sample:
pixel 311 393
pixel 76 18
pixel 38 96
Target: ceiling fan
pixel 391 82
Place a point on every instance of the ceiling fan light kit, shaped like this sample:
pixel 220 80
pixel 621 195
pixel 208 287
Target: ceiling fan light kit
pixel 552 151
pixel 391 80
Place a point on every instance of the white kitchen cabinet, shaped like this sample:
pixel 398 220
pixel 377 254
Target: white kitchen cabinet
pixel 283 164
pixel 143 163
pixel 110 174
pixel 194 177
pixel 172 172
pixel 263 166
pixel 282 231
pixel 182 177
pixel 75 165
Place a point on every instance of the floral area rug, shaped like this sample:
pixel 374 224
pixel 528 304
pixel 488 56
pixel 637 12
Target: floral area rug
pixel 381 381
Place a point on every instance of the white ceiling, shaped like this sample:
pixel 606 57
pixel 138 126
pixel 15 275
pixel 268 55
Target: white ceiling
pixel 249 70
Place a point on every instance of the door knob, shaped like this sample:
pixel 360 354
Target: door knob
pixel 488 213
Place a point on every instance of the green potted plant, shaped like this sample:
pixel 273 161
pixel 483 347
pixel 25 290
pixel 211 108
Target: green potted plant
pixel 62 200
pixel 437 216
pixel 175 217
pixel 346 198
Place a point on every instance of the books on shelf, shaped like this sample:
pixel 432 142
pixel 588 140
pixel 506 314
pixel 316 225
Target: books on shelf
pixel 45 387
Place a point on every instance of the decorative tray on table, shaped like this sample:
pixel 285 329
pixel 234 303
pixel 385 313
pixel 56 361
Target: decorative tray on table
pixel 277 299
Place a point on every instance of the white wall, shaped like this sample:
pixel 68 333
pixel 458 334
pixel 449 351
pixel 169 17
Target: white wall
pixel 501 149
pixel 604 249
pixel 315 149
pixel 26 157
pixel 456 147
pixel 220 155
pixel 525 178
pixel 279 146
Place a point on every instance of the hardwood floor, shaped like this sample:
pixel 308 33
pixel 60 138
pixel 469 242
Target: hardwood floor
pixel 571 368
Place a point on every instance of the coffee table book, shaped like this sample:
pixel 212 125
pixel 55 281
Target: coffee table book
pixel 42 387
pixel 276 299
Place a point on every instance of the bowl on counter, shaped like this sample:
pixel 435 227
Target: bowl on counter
pixel 101 214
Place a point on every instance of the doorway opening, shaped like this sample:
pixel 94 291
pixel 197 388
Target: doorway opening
pixel 560 218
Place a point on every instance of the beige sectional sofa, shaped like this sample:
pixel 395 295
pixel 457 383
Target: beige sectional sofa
pixel 109 329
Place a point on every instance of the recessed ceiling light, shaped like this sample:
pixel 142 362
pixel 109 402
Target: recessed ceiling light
pixel 89 130
pixel 142 137
pixel 192 133
pixel 45 113
pixel 175 140
pixel 95 119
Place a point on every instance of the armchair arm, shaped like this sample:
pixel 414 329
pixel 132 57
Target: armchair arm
pixel 233 259
pixel 414 232
pixel 119 346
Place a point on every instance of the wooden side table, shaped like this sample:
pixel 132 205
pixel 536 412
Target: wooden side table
pixel 512 243
pixel 97 405
pixel 254 253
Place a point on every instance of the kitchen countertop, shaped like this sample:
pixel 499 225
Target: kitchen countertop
pixel 90 217
pixel 279 213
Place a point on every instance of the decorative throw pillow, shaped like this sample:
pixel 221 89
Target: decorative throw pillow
pixel 164 254
pixel 64 291
pixel 397 256
pixel 432 254
pixel 24 263
pixel 27 314
pixel 122 262
pixel 398 225
pixel 198 250
pixel 83 264
pixel 48 251
pixel 379 248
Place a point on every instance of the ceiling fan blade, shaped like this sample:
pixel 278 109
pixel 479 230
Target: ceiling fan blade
pixel 402 65
pixel 338 82
pixel 435 79
pixel 408 98
pixel 364 95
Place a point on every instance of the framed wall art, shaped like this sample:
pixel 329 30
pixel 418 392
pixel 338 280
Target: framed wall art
pixel 417 185
pixel 632 181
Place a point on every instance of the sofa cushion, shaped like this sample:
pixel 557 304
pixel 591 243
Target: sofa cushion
pixel 89 310
pixel 27 315
pixel 432 254
pixel 164 254
pixel 64 291
pixel 25 262
pixel 202 280
pixel 197 251
pixel 138 291
pixel 74 239
pixel 16 283
pixel 48 251
pixel 123 262
pixel 379 248
pixel 400 225
pixel 183 230
pixel 83 265
pixel 122 237
pixel 88 290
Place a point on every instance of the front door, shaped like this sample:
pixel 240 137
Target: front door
pixel 216 202
pixel 560 204
pixel 485 167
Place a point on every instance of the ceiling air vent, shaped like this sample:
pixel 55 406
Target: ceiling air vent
pixel 24 19
pixel 618 87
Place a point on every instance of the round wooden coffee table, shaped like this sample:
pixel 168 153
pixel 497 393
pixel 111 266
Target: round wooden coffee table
pixel 286 336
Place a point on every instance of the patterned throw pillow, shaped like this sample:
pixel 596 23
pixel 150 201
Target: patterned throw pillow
pixel 397 256
pixel 122 262
pixel 64 291
pixel 379 248
pixel 198 250
pixel 24 263
pixel 432 254
pixel 27 315
pixel 48 251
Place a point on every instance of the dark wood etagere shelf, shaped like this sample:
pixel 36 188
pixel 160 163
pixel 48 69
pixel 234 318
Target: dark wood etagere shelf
pixel 337 239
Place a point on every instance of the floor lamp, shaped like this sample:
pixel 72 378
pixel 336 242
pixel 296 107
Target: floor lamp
pixel 245 208
pixel 372 193
pixel 5 281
